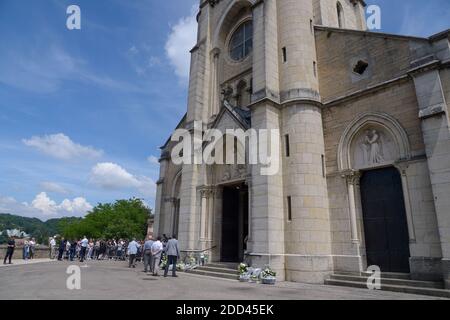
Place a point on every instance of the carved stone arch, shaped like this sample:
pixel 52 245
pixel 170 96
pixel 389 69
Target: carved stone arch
pixel 175 203
pixel 229 13
pixel 393 141
pixel 176 183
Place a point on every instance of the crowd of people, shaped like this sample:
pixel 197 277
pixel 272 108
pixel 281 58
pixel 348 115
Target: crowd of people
pixel 151 251
pixel 84 249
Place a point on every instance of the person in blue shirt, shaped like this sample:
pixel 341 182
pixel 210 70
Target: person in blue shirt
pixel 148 254
pixel 133 247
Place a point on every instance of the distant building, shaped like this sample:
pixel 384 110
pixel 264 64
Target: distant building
pixel 16 233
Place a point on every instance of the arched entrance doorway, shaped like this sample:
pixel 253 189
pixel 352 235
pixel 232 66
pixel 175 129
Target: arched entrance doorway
pixel 234 222
pixel 384 216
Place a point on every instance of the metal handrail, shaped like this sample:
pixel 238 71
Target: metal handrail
pixel 198 251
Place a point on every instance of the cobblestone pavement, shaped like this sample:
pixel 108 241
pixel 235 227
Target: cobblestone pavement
pixel 114 280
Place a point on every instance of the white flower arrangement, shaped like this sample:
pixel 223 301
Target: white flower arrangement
pixel 181 266
pixel 267 272
pixel 243 268
pixel 268 276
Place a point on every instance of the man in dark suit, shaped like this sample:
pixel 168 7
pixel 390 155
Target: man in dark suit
pixel 62 248
pixel 10 250
pixel 173 253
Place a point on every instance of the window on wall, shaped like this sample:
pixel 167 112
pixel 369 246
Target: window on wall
pixel 360 67
pixel 340 14
pixel 289 208
pixel 287 146
pixel 241 43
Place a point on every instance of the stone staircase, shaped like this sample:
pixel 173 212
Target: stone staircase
pixel 396 282
pixel 218 270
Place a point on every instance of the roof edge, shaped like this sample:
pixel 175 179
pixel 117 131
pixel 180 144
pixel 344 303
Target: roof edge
pixel 369 33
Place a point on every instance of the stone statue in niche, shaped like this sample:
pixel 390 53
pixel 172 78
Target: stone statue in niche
pixel 227 94
pixel 373 149
pixel 240 171
pixel 226 174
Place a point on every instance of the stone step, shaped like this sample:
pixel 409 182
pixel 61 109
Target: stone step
pixel 390 275
pixel 214 274
pixel 384 275
pixel 394 288
pixel 223 265
pixel 389 281
pixel 217 269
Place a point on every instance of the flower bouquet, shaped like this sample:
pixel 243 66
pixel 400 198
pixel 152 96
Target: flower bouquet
pixel 268 276
pixel 163 263
pixel 181 266
pixel 244 275
pixel 191 263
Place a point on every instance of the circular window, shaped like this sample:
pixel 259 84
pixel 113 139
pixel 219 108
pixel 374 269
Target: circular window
pixel 241 43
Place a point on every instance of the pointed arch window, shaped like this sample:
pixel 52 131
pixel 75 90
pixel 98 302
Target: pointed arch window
pixel 241 44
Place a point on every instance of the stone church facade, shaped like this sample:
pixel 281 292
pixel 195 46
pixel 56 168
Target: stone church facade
pixel 364 142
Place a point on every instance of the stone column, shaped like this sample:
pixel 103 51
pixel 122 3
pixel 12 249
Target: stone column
pixel 206 194
pixel 353 177
pixel 204 212
pixel 215 103
pixel 173 204
pixel 402 167
pixel 210 216
pixel 265 51
pixel 267 220
pixel 433 112
pixel 163 162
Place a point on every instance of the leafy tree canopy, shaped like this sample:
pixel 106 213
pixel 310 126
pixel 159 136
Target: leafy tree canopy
pixel 123 219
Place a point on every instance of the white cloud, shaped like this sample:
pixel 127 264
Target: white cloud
pixel 44 207
pixel 109 175
pixel 62 147
pixel 44 204
pixel 53 187
pixel 153 160
pixel 182 38
pixel 76 205
pixel 48 207
pixel 112 176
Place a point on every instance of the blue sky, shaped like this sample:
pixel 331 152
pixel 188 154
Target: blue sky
pixel 83 112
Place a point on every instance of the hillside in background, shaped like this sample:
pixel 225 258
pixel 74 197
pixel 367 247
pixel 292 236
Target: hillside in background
pixel 32 226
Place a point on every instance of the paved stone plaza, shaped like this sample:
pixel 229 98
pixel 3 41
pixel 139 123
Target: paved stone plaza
pixel 113 280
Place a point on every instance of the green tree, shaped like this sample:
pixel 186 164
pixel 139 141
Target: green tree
pixel 122 219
